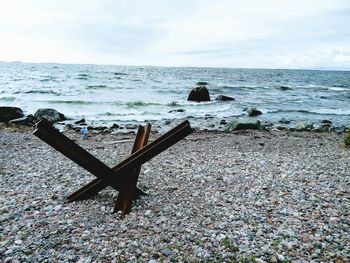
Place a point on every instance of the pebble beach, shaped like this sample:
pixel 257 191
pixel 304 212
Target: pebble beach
pixel 245 196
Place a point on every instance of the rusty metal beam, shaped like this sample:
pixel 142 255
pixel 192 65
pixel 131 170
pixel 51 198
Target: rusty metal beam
pixel 67 147
pixel 128 182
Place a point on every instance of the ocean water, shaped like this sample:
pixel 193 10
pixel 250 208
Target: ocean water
pixel 112 94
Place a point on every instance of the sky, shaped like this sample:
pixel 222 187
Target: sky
pixel 312 34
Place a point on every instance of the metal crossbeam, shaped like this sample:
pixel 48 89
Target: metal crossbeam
pixel 122 177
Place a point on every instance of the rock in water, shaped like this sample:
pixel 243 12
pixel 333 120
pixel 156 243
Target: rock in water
pixel 199 94
pixel 10 113
pixel 51 115
pixel 254 112
pixel 224 98
pixel 243 124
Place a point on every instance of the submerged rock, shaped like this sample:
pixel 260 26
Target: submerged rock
pixel 224 98
pixel 202 83
pixel 254 112
pixel 243 124
pixel 10 113
pixel 27 121
pixel 51 115
pixel 199 94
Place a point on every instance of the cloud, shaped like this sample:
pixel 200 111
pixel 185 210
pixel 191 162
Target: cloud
pixel 228 33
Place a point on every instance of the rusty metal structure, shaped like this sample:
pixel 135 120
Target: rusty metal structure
pixel 124 176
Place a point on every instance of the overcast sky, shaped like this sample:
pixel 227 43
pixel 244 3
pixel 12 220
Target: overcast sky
pixel 220 33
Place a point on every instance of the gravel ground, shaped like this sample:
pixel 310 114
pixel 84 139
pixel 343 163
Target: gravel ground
pixel 214 197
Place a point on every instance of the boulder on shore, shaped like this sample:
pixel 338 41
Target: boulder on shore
pixel 10 113
pixel 243 124
pixel 28 120
pixel 51 115
pixel 199 94
pixel 254 112
pixel 224 98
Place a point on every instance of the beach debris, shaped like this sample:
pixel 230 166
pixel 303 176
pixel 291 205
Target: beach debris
pixel 10 113
pixel 254 112
pixel 243 124
pixel 224 98
pixel 51 115
pixel 199 94
pixel 124 176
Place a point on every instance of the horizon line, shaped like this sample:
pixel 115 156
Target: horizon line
pixel 142 65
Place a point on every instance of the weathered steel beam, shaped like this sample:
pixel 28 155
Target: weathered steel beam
pixel 128 182
pixel 67 147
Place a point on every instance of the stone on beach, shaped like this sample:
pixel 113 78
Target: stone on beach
pixel 199 94
pixel 28 120
pixel 51 115
pixel 10 113
pixel 243 124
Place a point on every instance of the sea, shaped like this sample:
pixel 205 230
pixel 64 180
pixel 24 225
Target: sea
pixel 106 94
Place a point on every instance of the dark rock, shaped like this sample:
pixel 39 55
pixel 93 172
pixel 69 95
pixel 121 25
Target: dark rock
pixel 223 122
pixel 284 88
pixel 98 128
pixel 167 122
pixel 326 122
pixel 199 94
pixel 114 126
pixel 178 110
pixel 51 115
pixel 131 126
pixel 254 112
pixel 284 121
pixel 27 121
pixel 81 121
pixel 224 98
pixel 202 83
pixel 243 124
pixel 10 113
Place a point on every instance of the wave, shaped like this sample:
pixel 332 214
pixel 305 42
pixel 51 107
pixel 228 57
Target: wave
pixel 83 76
pixel 138 104
pixel 339 89
pixel 42 92
pixel 7 99
pixel 80 102
pixel 96 86
pixel 315 111
pixel 120 74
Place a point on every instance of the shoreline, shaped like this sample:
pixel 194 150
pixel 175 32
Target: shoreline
pixel 248 195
